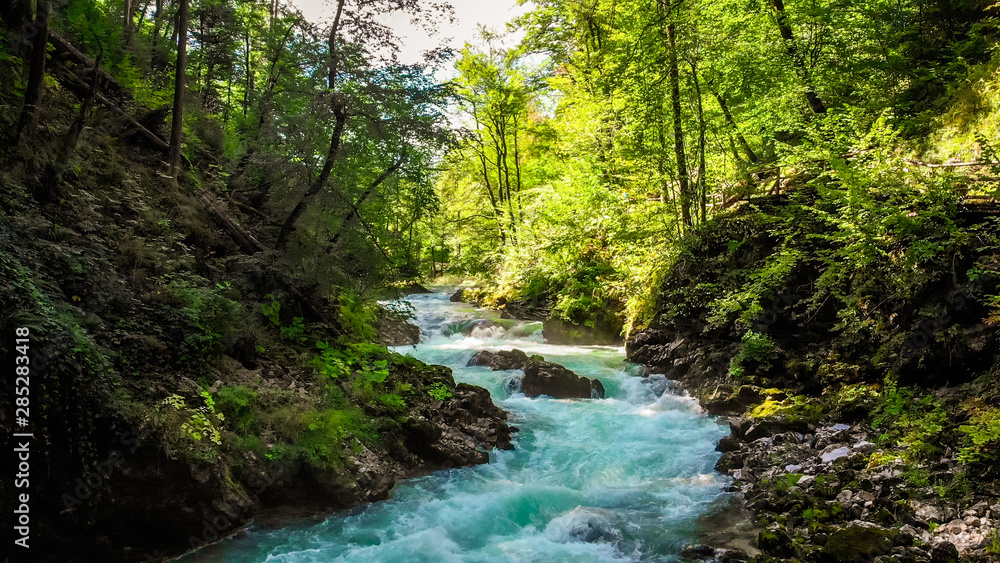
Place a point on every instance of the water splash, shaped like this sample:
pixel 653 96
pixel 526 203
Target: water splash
pixel 619 479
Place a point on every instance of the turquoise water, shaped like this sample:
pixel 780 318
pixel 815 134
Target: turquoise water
pixel 619 479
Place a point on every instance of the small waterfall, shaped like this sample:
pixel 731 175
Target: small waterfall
pixel 514 385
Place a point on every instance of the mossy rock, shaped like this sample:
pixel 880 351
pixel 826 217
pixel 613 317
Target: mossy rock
pixel 859 543
pixel 774 541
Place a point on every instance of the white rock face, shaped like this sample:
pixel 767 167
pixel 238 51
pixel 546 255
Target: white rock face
pixel 838 453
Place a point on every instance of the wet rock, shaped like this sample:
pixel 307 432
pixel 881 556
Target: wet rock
pixel 738 427
pixel 502 360
pixel 725 399
pixel 396 332
pixel 731 555
pixel 606 330
pixel 547 378
pixel 414 288
pixel 765 428
pixel 730 461
pixel 458 296
pixel 698 552
pixel 860 542
pixel 944 552
pixel 774 541
pixel 459 431
pixel 586 524
pixel 728 444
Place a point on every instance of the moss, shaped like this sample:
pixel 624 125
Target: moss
pixel 799 408
pixel 857 543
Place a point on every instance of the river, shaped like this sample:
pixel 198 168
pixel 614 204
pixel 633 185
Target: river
pixel 624 478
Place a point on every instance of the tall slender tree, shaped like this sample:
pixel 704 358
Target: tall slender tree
pixel 36 73
pixel 180 70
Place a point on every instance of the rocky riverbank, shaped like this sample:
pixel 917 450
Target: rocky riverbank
pixel 825 491
pixel 864 417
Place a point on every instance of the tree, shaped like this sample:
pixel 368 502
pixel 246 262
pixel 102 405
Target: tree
pixel 798 62
pixel 683 179
pixel 180 72
pixel 36 73
pixel 355 35
pixel 494 97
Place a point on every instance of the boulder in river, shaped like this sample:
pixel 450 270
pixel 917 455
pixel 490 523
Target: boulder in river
pixel 502 360
pixel 414 288
pixel 457 297
pixel 554 380
pixel 541 377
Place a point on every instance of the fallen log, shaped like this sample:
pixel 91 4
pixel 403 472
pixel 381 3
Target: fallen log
pixel 247 242
pixel 64 50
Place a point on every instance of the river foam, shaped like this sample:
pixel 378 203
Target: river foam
pixel 619 479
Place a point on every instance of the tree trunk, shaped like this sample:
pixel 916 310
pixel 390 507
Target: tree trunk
pixel 177 122
pixel 702 180
pixel 340 114
pixel 740 139
pixel 272 77
pixel 249 74
pixel 517 169
pixel 354 214
pixel 791 47
pixel 36 75
pixel 127 24
pixel 497 212
pixel 155 61
pixel 675 104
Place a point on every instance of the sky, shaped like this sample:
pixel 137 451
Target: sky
pixel 468 13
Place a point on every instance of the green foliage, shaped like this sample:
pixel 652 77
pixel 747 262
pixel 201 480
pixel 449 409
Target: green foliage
pixel 358 318
pixel 910 419
pixel 755 347
pixel 294 331
pixel 332 362
pixel 272 310
pixel 325 432
pixel 797 408
pixel 191 432
pixel 981 435
pixel 993 542
pixel 439 392
pixel 239 404
pixel 393 401
pixel 215 317
pixel 744 305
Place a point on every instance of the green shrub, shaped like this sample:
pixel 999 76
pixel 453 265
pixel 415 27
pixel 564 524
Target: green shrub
pixel 216 317
pixel 191 432
pixel 755 347
pixel 238 403
pixel 911 420
pixel 981 436
pixel 358 318
pixel 324 433
pixel 439 391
